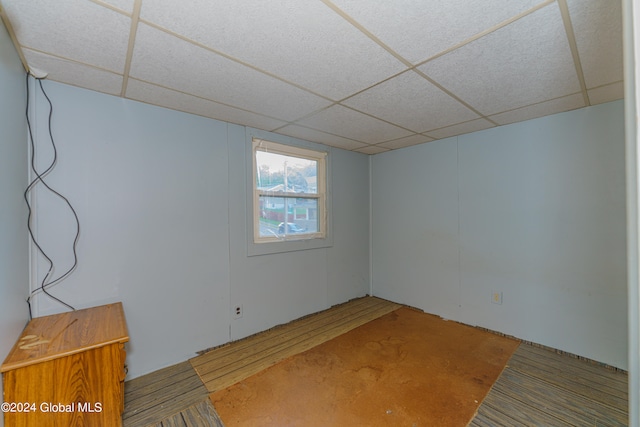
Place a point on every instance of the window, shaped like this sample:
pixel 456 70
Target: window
pixel 289 193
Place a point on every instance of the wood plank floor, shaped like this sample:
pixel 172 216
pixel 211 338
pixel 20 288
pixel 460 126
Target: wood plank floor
pixel 201 414
pixel 227 365
pixel 539 387
pixel 165 397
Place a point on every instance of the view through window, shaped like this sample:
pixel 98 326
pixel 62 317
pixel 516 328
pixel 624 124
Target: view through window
pixel 289 192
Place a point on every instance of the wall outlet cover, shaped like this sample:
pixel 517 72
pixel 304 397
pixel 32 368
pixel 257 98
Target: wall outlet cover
pixel 237 312
pixel 496 297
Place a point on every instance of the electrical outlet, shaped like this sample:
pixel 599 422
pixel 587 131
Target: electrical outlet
pixel 237 311
pixel 496 297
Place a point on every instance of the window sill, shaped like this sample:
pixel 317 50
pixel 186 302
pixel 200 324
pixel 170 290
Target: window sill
pixel 267 248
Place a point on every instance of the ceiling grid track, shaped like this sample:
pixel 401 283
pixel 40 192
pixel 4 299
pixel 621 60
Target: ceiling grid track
pixel 487 31
pixel 135 18
pixel 231 58
pixel 571 37
pixel 5 19
pixel 363 77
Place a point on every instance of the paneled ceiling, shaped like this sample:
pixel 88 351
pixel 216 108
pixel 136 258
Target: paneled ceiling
pixel 363 75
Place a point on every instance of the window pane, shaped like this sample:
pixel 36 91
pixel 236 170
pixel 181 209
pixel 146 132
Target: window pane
pixel 301 217
pixel 280 173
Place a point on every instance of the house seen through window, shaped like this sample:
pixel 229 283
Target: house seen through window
pixel 289 192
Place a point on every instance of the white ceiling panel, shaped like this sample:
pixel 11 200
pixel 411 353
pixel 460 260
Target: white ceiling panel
pixel 151 94
pixel 405 142
pixel 354 125
pixel 303 42
pixel 74 73
pixel 420 29
pixel 461 128
pixel 410 101
pixel 124 5
pixel 362 75
pixel 523 63
pixel 37 26
pixel 529 112
pixel 372 149
pixel 606 93
pixel 301 132
pixel 598 28
pixel 159 57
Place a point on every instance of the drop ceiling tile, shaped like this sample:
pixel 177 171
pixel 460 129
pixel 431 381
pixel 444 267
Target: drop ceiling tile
pixel 313 135
pixel 461 128
pixel 514 66
pixel 410 101
pixel 554 106
pixel 304 42
pixel 145 92
pixel 372 149
pixel 74 73
pixel 339 120
pixel 67 29
pixel 606 93
pixel 174 63
pixel 124 5
pixel 405 142
pixel 419 29
pixel 597 25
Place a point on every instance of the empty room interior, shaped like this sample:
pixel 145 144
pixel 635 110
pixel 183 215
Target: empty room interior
pixel 216 172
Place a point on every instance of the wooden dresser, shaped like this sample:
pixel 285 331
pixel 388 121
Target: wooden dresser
pixel 68 370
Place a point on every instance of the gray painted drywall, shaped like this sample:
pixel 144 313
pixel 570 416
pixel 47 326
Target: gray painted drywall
pixel 535 210
pixel 279 287
pixel 415 227
pixel 150 189
pixel 162 203
pixel 14 255
pixel 348 259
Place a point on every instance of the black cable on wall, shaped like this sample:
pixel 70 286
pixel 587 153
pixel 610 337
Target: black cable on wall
pixel 48 281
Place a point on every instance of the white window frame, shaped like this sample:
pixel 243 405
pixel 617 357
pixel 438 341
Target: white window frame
pixel 259 144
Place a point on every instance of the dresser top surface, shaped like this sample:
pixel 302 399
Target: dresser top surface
pixel 50 337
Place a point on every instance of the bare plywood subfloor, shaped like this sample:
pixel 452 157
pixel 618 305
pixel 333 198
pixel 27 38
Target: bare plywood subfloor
pixel 225 366
pixel 538 386
pixel 405 368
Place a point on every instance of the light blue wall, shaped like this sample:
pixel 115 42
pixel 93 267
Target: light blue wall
pixel 150 189
pixel 162 204
pixel 348 260
pixel 276 288
pixel 535 210
pixel 415 227
pixel 14 256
